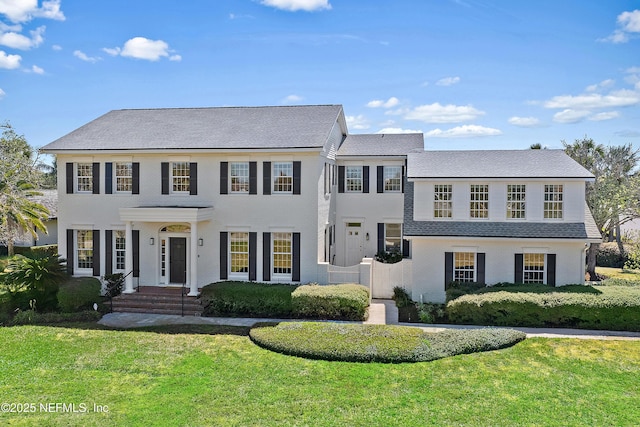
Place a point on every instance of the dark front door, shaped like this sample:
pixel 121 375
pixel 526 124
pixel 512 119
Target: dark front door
pixel 178 259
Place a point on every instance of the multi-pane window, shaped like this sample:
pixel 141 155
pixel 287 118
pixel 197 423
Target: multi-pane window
pixel 464 267
pixel 119 245
pixel 516 199
pixel 180 173
pixel 283 177
pixel 353 179
pixel 84 248
pixel 479 201
pixel 239 177
pixel 84 177
pixel 553 201
pixel 442 197
pixel 239 251
pixel 392 237
pixel 124 174
pixel 533 268
pixel 282 257
pixel 393 179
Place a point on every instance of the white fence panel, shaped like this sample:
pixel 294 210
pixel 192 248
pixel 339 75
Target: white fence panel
pixel 337 274
pixel 388 276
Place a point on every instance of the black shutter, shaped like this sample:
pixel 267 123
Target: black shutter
pixel 135 178
pixel 380 179
pixel 224 262
pixel 135 244
pixel 70 251
pixel 381 245
pixel 551 269
pixel 480 260
pixel 253 243
pixel 295 268
pixel 96 252
pixel 96 178
pixel 340 179
pixel 253 177
pixel 297 171
pixel 448 269
pixel 402 180
pixel 69 178
pixel 266 257
pixel 365 179
pixel 266 178
pixel 108 178
pixel 224 177
pixel 193 179
pixel 519 266
pixel 405 249
pixel 108 251
pixel 164 170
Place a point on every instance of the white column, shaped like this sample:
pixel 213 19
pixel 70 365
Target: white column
pixel 193 265
pixel 128 258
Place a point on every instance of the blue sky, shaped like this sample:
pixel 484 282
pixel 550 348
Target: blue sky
pixel 469 74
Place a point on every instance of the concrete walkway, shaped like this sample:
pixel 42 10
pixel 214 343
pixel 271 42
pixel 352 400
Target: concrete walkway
pixel 381 312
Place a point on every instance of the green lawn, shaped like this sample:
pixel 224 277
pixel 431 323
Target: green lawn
pixel 618 273
pixel 217 376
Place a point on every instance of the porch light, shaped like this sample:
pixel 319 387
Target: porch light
pixel 152 241
pixel 200 242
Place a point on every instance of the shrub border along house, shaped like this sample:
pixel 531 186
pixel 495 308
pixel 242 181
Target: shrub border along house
pixel 341 302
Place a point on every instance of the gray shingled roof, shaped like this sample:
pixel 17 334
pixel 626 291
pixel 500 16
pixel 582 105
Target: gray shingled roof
pixel 516 230
pixel 204 128
pixel 48 199
pixel 494 164
pixel 381 144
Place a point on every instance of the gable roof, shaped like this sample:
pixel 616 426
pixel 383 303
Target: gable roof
pixel 381 144
pixel 233 128
pixel 495 164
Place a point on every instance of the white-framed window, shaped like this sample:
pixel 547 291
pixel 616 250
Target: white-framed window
pixel 479 201
pixel 353 179
pixel 393 237
pixel 533 268
pixel 516 201
pixel 283 177
pixel 392 179
pixel 282 253
pixel 180 174
pixel 119 250
pixel 239 252
pixel 124 177
pixel 442 200
pixel 239 174
pixel 84 249
pixel 553 201
pixel 84 177
pixel 464 267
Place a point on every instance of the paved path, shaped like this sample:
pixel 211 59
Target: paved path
pixel 381 312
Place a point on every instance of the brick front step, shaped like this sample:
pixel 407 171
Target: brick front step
pixel 159 301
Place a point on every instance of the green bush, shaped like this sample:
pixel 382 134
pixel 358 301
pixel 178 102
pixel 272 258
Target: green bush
pixel 247 299
pixel 346 302
pixel 390 257
pixel 377 343
pixel 609 255
pixel 44 250
pixel 30 317
pixel 431 312
pixel 79 293
pixel 633 261
pixel 455 289
pixel 614 281
pixel 601 307
pixel 401 297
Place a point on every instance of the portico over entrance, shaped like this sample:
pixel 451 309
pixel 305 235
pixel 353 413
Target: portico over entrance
pixel 184 247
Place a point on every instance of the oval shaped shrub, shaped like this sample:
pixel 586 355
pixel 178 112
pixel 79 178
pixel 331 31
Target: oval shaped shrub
pixel 377 343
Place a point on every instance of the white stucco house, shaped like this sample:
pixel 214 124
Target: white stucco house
pixel 276 194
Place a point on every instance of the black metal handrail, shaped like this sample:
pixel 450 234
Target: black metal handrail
pixel 184 289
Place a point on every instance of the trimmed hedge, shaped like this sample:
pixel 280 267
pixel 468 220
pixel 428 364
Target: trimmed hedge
pixel 345 302
pixel 79 293
pixel 377 343
pixel 30 317
pixel 598 307
pixel 247 299
pixel 609 255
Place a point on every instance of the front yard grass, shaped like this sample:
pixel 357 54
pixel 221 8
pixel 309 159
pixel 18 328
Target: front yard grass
pixel 217 376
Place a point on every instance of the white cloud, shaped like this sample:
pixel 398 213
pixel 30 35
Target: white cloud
pixel 620 98
pixel 465 131
pixel 50 10
pixel 56 47
pixel 359 122
pixel 570 116
pixel 602 85
pixel 448 81
pixel 628 24
pixel 295 5
pixel 525 122
pixel 398 130
pixel 606 115
pixel 9 62
pixel 2 93
pixel 83 56
pixel 112 51
pixel 25 10
pixel 292 99
pixel 389 103
pixel 144 48
pixel 175 58
pixel 22 42
pixel 37 70
pixel 437 113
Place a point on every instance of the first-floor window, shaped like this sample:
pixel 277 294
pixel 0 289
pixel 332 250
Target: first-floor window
pixel 464 267
pixel 239 251
pixel 119 247
pixel 392 237
pixel 282 258
pixel 533 268
pixel 84 248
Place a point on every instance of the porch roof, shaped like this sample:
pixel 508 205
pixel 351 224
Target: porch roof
pixel 167 213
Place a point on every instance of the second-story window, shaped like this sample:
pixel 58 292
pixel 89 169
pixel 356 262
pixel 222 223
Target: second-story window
pixel 353 179
pixel 392 179
pixel 239 175
pixel 516 201
pixel 124 177
pixel 479 201
pixel 84 177
pixel 553 201
pixel 283 177
pixel 180 177
pixel 442 200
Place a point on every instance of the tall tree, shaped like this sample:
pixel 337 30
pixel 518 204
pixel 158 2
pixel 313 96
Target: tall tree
pixel 19 180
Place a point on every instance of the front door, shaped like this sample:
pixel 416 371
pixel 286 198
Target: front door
pixel 354 243
pixel 177 260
